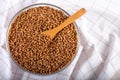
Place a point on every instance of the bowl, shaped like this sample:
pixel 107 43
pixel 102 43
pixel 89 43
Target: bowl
pixel 38 5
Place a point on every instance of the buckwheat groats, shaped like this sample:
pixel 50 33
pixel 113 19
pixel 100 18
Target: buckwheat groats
pixel 36 52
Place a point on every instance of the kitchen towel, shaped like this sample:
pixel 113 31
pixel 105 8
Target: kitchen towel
pixel 98 56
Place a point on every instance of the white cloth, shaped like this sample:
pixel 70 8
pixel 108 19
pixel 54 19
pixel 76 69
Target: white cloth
pixel 98 57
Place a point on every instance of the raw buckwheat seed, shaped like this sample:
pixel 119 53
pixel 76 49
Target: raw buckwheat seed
pixel 35 52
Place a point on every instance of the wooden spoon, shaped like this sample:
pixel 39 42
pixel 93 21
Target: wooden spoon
pixel 71 19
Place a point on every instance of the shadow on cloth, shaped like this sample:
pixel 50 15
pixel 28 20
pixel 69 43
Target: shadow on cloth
pixel 86 54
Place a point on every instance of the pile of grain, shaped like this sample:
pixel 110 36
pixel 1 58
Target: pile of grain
pixel 36 52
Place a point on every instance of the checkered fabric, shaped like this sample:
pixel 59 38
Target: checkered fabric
pixel 98 57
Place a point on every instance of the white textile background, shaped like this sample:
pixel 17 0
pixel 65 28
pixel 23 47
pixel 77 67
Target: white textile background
pixel 99 52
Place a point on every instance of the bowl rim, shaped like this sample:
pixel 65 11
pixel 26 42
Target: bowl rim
pixel 33 6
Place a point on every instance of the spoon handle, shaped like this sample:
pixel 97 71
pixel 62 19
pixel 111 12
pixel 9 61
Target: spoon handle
pixel 71 19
